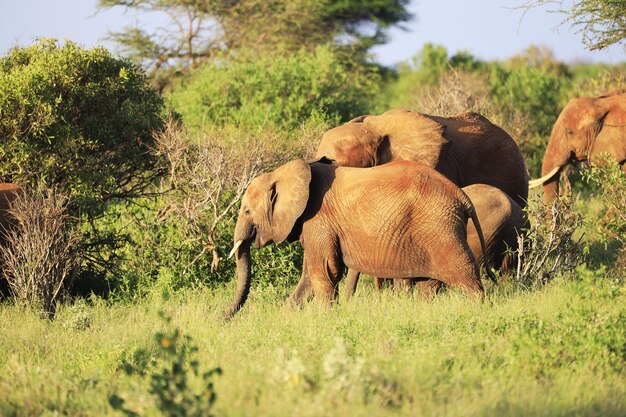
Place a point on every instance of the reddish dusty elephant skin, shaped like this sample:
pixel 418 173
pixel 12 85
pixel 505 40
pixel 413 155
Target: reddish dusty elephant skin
pixel 501 220
pixel 467 148
pixel 585 128
pixel 397 220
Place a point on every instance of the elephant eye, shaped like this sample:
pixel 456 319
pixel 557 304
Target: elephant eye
pixel 569 131
pixel 246 211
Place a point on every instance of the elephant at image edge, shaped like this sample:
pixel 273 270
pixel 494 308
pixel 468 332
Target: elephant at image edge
pixel 466 148
pixel 586 127
pixel 332 210
pixel 501 220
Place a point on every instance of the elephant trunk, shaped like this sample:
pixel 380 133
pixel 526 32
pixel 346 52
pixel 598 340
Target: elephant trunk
pixel 243 278
pixel 557 155
pixel 243 237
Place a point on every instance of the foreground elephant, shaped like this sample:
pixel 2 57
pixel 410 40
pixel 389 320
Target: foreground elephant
pixel 398 220
pixel 467 148
pixel 586 127
pixel 501 220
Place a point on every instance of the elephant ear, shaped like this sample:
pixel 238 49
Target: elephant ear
pixel 290 195
pixel 411 136
pixel 358 119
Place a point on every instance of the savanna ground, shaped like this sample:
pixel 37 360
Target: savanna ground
pixel 557 349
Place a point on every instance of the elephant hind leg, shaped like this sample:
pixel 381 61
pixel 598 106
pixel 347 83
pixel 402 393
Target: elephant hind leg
pixel 352 280
pixel 463 275
pixel 427 289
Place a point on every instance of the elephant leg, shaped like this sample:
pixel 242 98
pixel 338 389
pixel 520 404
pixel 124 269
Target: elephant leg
pixel 463 274
pixel 378 283
pixel 401 284
pixel 324 276
pixel 352 279
pixel 304 290
pixel 427 289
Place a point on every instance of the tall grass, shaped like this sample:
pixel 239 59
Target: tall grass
pixel 557 351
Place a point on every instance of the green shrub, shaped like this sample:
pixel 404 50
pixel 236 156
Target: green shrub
pixel 77 119
pixel 173 378
pixel 164 249
pixel 610 183
pixel 531 96
pixel 530 91
pixel 275 91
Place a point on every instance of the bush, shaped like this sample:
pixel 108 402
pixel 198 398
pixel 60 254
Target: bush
pixel 531 96
pixel 77 119
pixel 548 248
pixel 530 91
pixel 42 255
pixel 610 182
pixel 275 91
pixel 177 386
pixel 180 238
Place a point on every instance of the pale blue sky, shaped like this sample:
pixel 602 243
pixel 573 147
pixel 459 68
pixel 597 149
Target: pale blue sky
pixel 489 29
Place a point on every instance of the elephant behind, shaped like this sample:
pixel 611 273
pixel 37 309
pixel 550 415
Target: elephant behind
pixel 397 220
pixel 466 148
pixel 501 220
pixel 586 127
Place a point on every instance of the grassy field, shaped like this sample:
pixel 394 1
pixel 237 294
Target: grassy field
pixel 559 350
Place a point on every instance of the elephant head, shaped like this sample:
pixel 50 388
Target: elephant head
pixel 367 141
pixel 586 127
pixel 269 210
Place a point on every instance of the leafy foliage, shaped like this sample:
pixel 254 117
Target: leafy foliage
pixel 275 92
pixel 601 22
pixel 170 377
pixel 610 181
pixel 200 30
pixel 76 119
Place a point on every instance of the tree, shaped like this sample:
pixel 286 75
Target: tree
pixel 601 22
pixel 202 29
pixel 79 120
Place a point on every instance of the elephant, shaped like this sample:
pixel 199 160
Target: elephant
pixel 585 128
pixel 466 148
pixel 397 220
pixel 501 220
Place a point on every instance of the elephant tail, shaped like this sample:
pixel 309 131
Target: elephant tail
pixel 471 212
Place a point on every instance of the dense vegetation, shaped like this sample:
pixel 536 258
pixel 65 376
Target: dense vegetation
pixel 140 189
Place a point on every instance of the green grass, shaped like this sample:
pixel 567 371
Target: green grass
pixel 560 350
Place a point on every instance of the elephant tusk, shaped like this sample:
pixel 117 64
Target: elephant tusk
pixel 237 244
pixel 540 181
